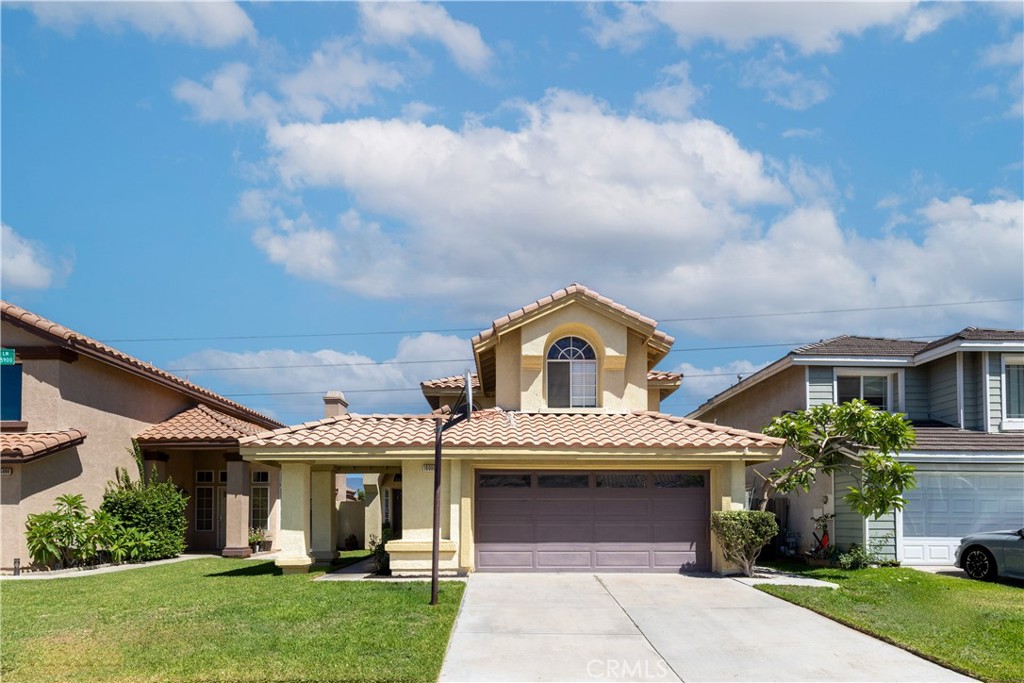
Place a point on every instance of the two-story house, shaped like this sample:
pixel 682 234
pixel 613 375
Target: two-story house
pixel 72 405
pixel 963 393
pixel 566 464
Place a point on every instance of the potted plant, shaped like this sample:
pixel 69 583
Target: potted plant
pixel 256 538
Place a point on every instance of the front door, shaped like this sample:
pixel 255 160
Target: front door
pixel 220 516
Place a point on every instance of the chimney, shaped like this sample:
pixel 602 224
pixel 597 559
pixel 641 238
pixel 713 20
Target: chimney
pixel 335 404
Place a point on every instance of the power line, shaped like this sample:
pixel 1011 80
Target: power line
pixel 364 333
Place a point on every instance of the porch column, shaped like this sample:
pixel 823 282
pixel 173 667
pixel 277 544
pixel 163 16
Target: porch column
pixel 294 536
pixel 325 516
pixel 738 484
pixel 236 540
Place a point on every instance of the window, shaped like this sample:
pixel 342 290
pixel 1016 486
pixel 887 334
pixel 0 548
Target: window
pixel 621 481
pixel 504 481
pixel 1013 392
pixel 873 389
pixel 563 481
pixel 259 507
pixel 10 392
pixel 572 374
pixel 386 507
pixel 222 476
pixel 260 477
pixel 679 481
pixel 204 507
pixel 204 476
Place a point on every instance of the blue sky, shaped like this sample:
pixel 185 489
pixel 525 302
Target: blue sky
pixel 247 194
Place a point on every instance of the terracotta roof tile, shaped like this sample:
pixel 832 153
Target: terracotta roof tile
pixel 573 290
pixel 201 424
pixel 499 429
pixel 95 349
pixel 17 447
pixel 663 376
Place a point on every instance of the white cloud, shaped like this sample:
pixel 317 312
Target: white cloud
pixel 812 27
pixel 1005 54
pixel 927 18
pixel 398 22
pixel 222 98
pixel 674 95
pixel 27 264
pixel 210 24
pixel 356 255
pixel 789 89
pixel 627 30
pixel 369 385
pixel 338 75
pixel 572 184
pixel 802 133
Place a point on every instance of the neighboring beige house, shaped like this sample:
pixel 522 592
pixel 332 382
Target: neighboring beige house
pixel 567 463
pixel 71 406
pixel 964 394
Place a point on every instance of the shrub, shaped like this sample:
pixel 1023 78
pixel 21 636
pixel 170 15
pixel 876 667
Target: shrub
pixel 69 535
pixel 156 510
pixel 742 534
pixel 857 557
pixel 381 559
pixel 351 542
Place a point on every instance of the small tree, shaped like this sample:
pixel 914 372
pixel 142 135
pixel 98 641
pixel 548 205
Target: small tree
pixel 742 534
pixel 156 510
pixel 850 436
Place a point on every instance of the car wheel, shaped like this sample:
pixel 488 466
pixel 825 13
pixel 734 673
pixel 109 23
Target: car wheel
pixel 979 564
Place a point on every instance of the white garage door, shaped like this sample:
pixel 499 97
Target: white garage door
pixel 947 506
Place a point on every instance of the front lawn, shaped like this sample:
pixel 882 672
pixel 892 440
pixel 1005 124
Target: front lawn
pixel 222 620
pixel 976 628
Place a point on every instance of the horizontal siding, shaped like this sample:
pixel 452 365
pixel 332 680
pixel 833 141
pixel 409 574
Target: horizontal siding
pixel 974 392
pixel 942 386
pixel 849 526
pixel 917 405
pixel 882 536
pixel 995 391
pixel 819 386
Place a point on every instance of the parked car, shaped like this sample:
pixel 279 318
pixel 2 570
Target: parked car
pixel 989 554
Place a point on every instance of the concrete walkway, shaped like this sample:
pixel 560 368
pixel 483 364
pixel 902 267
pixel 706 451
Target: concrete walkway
pixel 657 627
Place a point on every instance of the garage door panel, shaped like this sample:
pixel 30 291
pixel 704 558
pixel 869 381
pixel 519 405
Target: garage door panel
pixel 623 508
pixel 613 525
pixel 624 532
pixel 505 533
pixel 563 559
pixel 568 532
pixel 545 507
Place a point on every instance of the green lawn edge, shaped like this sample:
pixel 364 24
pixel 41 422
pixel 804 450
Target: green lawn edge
pixel 973 628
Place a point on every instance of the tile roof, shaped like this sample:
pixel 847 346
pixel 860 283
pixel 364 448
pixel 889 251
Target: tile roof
pixel 201 424
pixel 100 351
pixel 936 436
pixel 977 334
pixel 456 382
pixel 500 429
pixel 848 345
pixel 575 290
pixel 18 447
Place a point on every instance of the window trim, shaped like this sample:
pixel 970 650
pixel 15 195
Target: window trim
pixel 264 523
pixel 260 481
pixel 1009 424
pixel 894 404
pixel 210 482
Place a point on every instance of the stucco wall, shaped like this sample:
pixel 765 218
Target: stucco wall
pixel 111 404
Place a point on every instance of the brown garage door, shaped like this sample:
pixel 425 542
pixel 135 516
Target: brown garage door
pixel 583 521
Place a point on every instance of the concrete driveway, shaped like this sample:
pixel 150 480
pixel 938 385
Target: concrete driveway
pixel 657 627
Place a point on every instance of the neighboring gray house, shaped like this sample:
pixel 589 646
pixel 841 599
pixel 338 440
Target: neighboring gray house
pixel 965 395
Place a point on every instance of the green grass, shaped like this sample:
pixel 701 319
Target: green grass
pixel 222 620
pixel 974 627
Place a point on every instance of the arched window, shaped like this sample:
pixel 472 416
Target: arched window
pixel 572 374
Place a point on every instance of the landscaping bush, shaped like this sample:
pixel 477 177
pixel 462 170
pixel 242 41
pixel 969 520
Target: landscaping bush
pixel 381 558
pixel 155 510
pixel 742 534
pixel 351 542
